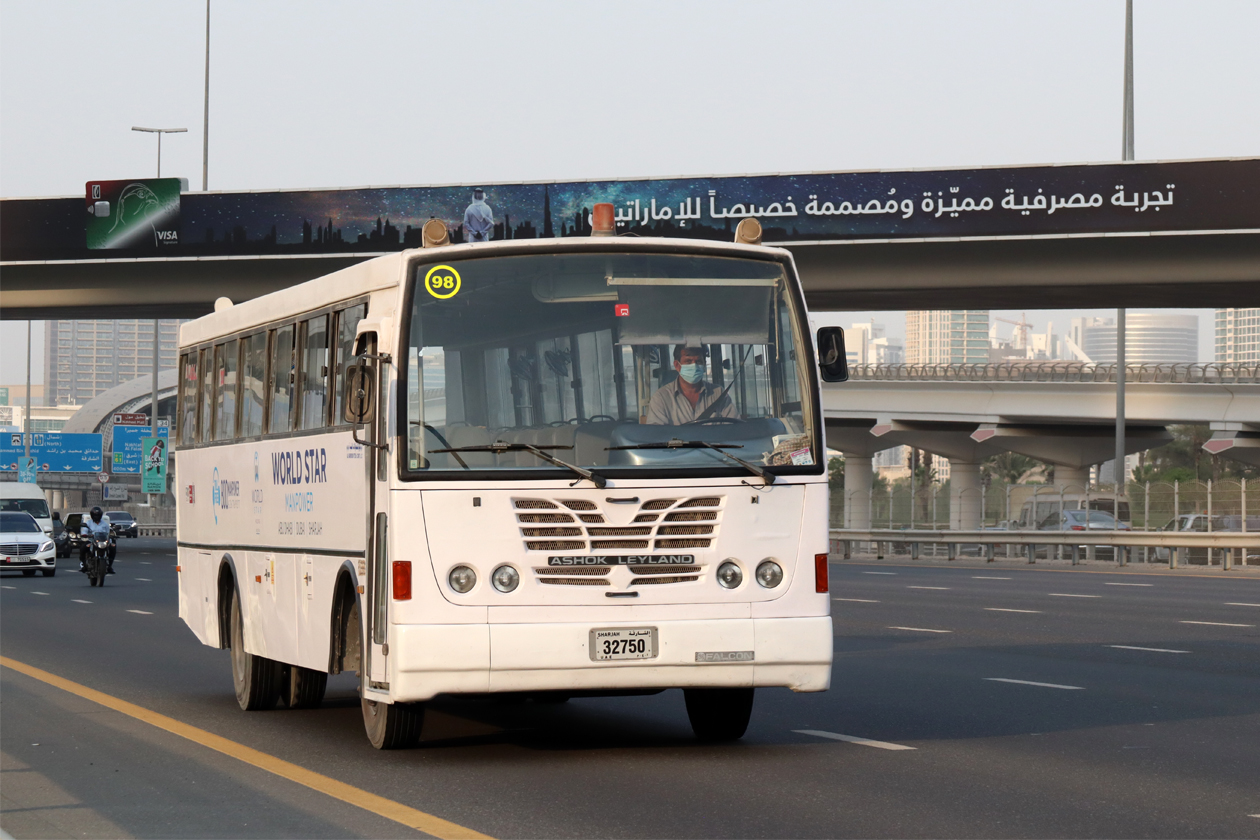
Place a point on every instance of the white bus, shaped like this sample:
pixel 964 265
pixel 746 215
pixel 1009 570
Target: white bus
pixel 558 467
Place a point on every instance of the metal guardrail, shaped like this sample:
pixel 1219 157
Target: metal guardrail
pixel 157 530
pixel 1120 541
pixel 1206 374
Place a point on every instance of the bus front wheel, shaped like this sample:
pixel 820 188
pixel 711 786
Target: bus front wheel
pixel 719 714
pixel 256 678
pixel 393 726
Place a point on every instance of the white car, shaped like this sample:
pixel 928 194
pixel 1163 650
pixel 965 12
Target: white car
pixel 24 546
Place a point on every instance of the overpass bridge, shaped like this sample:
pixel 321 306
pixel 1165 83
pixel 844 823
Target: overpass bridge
pixel 1061 236
pixel 1060 413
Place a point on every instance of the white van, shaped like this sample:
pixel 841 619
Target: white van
pixel 27 498
pixel 1036 510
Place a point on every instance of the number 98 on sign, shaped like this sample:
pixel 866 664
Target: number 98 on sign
pixel 442 282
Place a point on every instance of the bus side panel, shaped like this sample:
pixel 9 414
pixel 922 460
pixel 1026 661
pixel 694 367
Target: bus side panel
pixel 193 595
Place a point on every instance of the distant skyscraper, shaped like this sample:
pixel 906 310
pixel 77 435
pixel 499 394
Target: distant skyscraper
pixel 869 344
pixel 951 336
pixel 1238 336
pixel 84 358
pixel 1151 338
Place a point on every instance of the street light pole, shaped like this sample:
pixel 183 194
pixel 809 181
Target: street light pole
pixel 1127 154
pixel 205 120
pixel 157 324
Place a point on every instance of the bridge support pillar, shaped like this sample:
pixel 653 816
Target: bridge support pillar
pixel 857 491
pixel 58 501
pixel 1075 477
pixel 964 496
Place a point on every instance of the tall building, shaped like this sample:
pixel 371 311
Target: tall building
pixel 1151 338
pixel 952 336
pixel 1237 336
pixel 84 358
pixel 869 344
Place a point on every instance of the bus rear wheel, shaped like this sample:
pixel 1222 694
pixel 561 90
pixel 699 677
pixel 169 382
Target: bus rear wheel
pixel 256 678
pixel 304 688
pixel 719 714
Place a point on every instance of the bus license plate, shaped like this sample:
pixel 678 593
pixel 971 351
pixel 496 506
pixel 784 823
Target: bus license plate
pixel 610 643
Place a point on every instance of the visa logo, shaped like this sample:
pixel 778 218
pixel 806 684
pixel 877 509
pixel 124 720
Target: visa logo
pixel 168 235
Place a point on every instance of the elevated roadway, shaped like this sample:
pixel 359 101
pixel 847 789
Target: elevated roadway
pixel 1063 414
pixel 1158 234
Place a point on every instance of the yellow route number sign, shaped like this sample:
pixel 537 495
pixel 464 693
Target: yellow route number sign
pixel 442 282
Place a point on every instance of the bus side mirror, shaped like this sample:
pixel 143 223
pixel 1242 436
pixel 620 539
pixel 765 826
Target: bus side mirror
pixel 358 394
pixel 832 360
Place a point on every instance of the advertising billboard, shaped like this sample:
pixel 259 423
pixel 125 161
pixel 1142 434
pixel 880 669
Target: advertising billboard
pixel 128 447
pixel 136 213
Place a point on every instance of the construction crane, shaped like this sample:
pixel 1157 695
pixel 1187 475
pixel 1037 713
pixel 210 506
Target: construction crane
pixel 1019 338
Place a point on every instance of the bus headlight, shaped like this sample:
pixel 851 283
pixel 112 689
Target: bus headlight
pixel 505 579
pixel 769 574
pixel 729 575
pixel 462 579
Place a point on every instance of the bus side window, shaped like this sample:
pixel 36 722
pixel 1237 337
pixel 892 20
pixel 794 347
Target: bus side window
pixel 206 426
pixel 347 323
pixel 188 398
pixel 314 413
pixel 226 359
pixel 282 380
pixel 253 384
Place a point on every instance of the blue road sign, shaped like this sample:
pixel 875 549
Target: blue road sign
pixel 128 452
pixel 53 452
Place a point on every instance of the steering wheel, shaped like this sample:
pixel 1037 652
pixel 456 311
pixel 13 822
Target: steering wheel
pixel 595 417
pixel 713 420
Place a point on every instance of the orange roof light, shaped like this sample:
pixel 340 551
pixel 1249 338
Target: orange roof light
pixel 603 220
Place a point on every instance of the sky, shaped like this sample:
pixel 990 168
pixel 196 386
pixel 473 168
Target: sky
pixel 322 94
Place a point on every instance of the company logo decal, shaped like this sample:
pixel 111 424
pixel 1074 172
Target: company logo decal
pixel 301 466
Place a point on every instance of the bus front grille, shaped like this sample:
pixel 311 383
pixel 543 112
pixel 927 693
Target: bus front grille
pixel 554 545
pixel 557 581
pixel 663 570
pixel 552 532
pixel 595 544
pixel 683 543
pixel 619 532
pixel 647 581
pixel 675 530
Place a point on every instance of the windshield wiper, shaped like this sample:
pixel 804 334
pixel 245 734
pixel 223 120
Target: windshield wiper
pixel 501 446
pixel 675 443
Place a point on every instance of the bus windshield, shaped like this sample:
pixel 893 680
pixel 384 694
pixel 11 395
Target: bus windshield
pixel 616 362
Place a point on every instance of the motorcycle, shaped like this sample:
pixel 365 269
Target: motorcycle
pixel 96 564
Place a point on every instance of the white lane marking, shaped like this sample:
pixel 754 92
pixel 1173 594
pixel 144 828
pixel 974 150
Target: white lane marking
pixel 1005 609
pixel 38 593
pixel 1152 650
pixel 1070 595
pixel 879 573
pixel 1038 684
pixel 79 601
pixel 927 587
pixel 140 612
pixel 146 580
pixel 8 587
pixel 855 600
pixel 921 629
pixel 1128 584
pixel 988 577
pixel 866 742
pixel 1227 603
pixel 1216 623
pixel 145 563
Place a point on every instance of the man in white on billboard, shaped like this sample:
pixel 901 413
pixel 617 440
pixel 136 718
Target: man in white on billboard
pixel 478 219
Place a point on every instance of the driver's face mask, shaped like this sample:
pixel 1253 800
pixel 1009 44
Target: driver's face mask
pixel 691 373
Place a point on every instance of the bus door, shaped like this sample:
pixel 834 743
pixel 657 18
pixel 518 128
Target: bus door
pixel 373 376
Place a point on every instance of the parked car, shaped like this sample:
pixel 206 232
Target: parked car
pixel 124 523
pixel 23 497
pixel 1083 520
pixel 1202 523
pixel 24 546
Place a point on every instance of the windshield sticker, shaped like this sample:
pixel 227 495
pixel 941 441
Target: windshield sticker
pixel 442 282
pixel 803 458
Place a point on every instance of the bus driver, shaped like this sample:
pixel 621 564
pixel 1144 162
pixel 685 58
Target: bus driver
pixel 688 398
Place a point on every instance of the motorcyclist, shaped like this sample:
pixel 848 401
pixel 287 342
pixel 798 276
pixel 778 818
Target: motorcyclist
pixel 96 526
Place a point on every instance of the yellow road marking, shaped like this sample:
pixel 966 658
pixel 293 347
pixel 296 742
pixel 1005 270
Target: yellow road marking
pixel 358 797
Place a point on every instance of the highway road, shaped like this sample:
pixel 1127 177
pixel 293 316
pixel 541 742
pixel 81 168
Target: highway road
pixel 967 701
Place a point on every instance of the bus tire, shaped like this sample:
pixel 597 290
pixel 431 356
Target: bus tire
pixel 719 714
pixel 256 678
pixel 393 726
pixel 305 688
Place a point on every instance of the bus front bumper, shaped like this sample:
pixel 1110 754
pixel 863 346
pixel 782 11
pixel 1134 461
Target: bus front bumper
pixel 427 660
